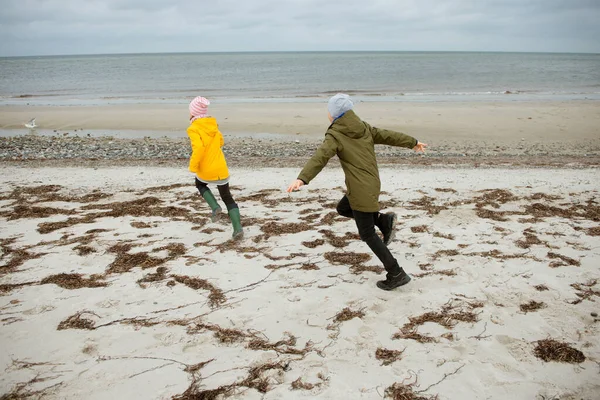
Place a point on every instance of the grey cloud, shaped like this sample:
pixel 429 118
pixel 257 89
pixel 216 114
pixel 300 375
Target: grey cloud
pixel 68 26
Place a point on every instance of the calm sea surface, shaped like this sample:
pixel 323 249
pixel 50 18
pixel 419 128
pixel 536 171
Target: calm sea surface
pixel 265 77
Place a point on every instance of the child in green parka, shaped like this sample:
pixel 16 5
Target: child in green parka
pixel 353 141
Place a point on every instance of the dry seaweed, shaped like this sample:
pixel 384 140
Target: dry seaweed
pixel 76 321
pixel 493 215
pixel 284 346
pixel 445 253
pixel 564 260
pixel 541 287
pixel 140 225
pixel 445 272
pixel 298 384
pixel 309 267
pixel 585 291
pixel 595 231
pixel 426 203
pixel 553 350
pixel 125 262
pixel 450 314
pixel 531 306
pixel 400 391
pixel 83 250
pixel 339 241
pixel 529 240
pixel 387 356
pixel 345 315
pixel 223 335
pixel 346 258
pixel 9 287
pixel 310 217
pixel 159 275
pixel 413 334
pixel 314 243
pixel 24 211
pixel 216 296
pixel 144 207
pixel 445 190
pixel 330 218
pixel 358 269
pixel 74 281
pixel 273 228
pixel 419 229
pixel 494 197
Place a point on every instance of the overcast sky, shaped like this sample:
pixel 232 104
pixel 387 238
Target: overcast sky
pixel 54 27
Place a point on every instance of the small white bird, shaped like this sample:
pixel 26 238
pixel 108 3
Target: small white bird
pixel 31 124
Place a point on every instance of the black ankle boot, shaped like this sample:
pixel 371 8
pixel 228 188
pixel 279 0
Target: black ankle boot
pixel 395 281
pixel 387 225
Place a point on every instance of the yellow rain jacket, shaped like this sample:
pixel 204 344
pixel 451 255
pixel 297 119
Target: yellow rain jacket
pixel 207 160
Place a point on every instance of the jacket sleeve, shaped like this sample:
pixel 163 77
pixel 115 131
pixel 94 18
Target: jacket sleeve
pixel 391 138
pixel 197 149
pixel 318 161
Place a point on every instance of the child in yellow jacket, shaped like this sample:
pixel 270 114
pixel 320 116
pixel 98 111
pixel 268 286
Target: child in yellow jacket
pixel 208 162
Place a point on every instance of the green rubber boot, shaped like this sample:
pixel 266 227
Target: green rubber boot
pixel 214 206
pixel 234 216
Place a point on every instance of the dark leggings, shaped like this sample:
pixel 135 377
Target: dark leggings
pixel 223 192
pixel 365 222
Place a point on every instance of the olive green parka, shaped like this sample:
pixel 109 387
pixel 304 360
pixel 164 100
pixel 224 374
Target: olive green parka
pixel 353 141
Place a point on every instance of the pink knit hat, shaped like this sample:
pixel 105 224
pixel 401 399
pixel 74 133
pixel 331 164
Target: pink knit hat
pixel 199 107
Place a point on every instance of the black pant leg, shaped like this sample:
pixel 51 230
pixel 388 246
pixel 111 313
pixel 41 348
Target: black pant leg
pixel 365 222
pixel 226 196
pixel 201 186
pixel 343 208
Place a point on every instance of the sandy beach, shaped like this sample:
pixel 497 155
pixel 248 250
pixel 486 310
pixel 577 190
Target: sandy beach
pixel 479 121
pixel 115 284
pixel 498 134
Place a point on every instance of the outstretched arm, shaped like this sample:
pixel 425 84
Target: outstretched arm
pixel 399 139
pixel 392 138
pixel 317 162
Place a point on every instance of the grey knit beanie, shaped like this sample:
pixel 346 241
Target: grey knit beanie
pixel 339 104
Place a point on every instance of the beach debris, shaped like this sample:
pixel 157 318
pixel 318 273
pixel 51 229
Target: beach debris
pixel 419 229
pixel 387 356
pixel 532 306
pixel 594 314
pixel 400 391
pixel 77 321
pixel 553 350
pixel 74 281
pixel 31 124
pixel 585 291
pixel 347 258
pixel 541 288
pixel 450 314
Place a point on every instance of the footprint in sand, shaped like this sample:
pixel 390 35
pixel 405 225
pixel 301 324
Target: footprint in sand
pixel 519 349
pixel 39 309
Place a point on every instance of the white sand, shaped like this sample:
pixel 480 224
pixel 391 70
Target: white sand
pixel 129 361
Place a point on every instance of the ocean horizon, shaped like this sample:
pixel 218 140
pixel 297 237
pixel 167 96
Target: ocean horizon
pixel 293 51
pixel 147 78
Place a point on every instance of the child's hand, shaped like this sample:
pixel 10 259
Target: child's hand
pixel 420 147
pixel 295 185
